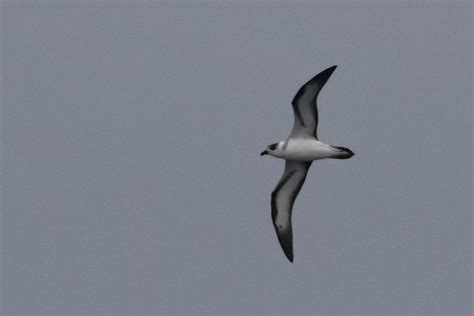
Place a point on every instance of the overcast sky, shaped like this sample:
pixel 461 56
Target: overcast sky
pixel 131 175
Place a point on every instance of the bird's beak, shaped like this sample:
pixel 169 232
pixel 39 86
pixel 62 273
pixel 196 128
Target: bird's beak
pixel 264 153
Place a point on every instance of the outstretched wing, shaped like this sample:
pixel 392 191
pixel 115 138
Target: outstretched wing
pixel 283 198
pixel 305 108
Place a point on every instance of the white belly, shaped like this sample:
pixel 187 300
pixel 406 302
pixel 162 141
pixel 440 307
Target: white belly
pixel 305 150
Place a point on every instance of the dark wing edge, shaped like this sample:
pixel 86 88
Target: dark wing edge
pixel 304 105
pixel 283 198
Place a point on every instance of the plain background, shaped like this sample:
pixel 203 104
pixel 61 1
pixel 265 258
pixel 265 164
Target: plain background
pixel 131 175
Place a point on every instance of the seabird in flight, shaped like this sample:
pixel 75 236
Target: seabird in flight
pixel 299 151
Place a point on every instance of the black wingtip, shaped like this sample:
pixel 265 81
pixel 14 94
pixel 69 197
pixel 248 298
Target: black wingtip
pixel 286 243
pixel 288 252
pixel 319 80
pixel 316 84
pixel 289 255
pixel 324 75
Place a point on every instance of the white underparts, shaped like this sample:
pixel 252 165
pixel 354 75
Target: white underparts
pixel 304 149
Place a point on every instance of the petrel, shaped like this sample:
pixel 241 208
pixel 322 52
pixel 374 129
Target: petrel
pixel 299 150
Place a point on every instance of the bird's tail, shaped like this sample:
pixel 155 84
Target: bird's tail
pixel 343 153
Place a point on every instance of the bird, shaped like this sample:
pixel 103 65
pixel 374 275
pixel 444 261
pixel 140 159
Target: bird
pixel 299 150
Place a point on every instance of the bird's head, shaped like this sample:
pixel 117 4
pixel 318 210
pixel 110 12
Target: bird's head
pixel 270 149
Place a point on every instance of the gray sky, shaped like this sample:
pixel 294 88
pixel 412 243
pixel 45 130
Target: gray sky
pixel 131 175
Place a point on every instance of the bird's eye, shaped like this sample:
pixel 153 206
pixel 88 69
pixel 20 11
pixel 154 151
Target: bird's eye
pixel 273 146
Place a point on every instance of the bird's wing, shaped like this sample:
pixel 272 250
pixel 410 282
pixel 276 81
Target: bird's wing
pixel 305 108
pixel 283 198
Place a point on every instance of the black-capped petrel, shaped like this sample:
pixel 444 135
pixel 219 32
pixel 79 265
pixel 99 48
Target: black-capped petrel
pixel 299 151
